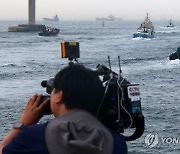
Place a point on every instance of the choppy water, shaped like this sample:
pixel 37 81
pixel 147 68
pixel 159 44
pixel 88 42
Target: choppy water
pixel 26 59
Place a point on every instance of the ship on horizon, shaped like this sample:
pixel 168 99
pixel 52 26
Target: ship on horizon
pixel 108 18
pixel 55 18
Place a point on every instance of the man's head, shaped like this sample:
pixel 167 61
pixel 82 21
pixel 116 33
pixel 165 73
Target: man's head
pixel 78 88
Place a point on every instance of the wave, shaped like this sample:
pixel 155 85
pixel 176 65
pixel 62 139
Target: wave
pixel 84 38
pixel 170 28
pixel 9 65
pixel 140 60
pixel 166 32
pixel 140 38
pixel 12 65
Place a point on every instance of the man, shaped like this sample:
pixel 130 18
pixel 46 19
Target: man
pixel 74 100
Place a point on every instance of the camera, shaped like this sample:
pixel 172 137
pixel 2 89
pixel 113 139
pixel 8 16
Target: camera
pixel 120 107
pixel 48 84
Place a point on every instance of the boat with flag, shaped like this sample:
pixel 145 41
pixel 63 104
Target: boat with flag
pixel 146 29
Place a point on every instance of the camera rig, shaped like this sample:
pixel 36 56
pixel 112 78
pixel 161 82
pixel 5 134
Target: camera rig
pixel 120 107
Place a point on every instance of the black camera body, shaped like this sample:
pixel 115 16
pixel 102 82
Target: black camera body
pixel 120 107
pixel 48 84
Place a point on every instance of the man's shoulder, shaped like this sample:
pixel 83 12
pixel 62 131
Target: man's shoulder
pixel 80 118
pixel 120 145
pixel 37 127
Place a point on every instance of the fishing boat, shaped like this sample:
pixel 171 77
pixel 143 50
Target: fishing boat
pixel 49 32
pixel 146 29
pixel 171 24
pixel 55 18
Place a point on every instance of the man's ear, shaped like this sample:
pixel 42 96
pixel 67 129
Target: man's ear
pixel 59 96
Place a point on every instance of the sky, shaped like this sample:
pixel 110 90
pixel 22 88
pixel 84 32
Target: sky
pixel 89 9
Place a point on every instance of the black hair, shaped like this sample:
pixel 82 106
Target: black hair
pixel 82 88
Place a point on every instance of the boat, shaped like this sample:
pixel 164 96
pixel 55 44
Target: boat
pixel 146 29
pixel 175 55
pixel 49 32
pixel 171 24
pixel 55 18
pixel 109 18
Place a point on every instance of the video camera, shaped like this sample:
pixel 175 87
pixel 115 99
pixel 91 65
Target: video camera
pixel 120 107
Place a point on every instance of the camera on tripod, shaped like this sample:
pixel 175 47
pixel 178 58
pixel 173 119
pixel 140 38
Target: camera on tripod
pixel 120 107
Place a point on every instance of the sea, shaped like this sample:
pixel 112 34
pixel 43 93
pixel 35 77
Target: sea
pixel 26 59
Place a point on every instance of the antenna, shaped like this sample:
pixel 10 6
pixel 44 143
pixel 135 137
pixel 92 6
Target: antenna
pixel 109 62
pixel 120 71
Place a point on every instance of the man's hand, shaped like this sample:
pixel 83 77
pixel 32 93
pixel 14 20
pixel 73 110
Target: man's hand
pixel 30 116
pixel 32 113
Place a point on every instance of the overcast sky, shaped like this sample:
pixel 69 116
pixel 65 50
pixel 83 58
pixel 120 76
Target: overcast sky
pixel 89 9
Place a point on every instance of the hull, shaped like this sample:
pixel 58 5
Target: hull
pixel 49 19
pixel 143 35
pixel 104 19
pixel 49 33
pixel 174 56
pixel 171 27
pixel 109 18
pixel 55 18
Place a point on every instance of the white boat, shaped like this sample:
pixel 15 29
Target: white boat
pixel 55 18
pixel 146 30
pixel 109 18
